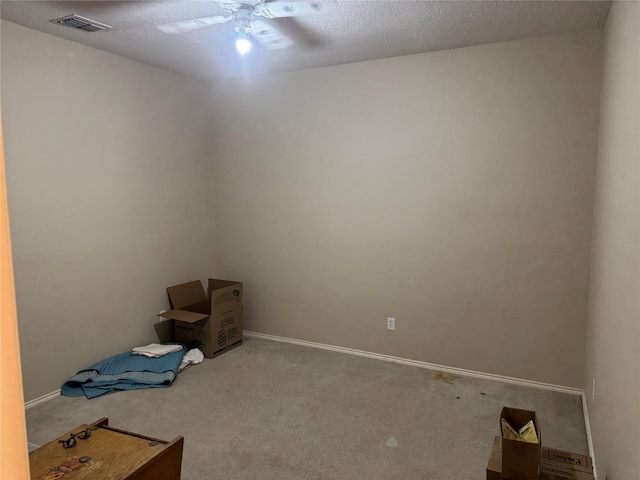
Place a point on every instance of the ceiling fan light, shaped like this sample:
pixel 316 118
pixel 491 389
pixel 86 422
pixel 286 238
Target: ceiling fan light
pixel 243 45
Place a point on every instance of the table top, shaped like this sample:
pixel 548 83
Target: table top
pixel 114 454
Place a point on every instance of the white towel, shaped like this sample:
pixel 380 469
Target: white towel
pixel 155 350
pixel 192 357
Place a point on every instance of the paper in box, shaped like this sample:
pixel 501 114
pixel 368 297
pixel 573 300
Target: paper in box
pixel 210 321
pixel 520 459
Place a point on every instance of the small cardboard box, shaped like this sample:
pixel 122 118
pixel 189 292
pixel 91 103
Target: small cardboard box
pixel 561 465
pixel 556 464
pixel 520 459
pixel 566 460
pixel 210 321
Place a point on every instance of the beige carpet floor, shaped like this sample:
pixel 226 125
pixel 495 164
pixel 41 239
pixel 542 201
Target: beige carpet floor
pixel 269 410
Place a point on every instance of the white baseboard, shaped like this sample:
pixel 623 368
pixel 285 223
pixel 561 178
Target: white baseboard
pixel 42 399
pixel 587 425
pixel 416 363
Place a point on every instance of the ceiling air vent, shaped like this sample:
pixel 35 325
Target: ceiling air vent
pixel 81 23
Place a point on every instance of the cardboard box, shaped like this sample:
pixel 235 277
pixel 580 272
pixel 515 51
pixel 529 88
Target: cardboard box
pixel 561 465
pixel 556 464
pixel 520 459
pixel 494 467
pixel 566 460
pixel 549 473
pixel 210 321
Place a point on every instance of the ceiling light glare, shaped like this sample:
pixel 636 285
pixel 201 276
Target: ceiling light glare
pixel 243 45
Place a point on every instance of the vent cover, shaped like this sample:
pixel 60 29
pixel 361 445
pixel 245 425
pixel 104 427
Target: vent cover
pixel 80 23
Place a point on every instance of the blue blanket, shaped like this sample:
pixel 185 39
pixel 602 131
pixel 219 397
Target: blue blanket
pixel 124 372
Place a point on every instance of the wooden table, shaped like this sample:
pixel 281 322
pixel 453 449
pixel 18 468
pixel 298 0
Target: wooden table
pixel 114 455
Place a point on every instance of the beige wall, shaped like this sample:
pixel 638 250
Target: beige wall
pixel 109 193
pixel 613 340
pixel 451 190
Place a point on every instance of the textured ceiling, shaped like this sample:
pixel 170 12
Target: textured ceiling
pixel 346 31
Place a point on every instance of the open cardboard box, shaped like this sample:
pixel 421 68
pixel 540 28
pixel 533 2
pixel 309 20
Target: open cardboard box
pixel 520 459
pixel 210 321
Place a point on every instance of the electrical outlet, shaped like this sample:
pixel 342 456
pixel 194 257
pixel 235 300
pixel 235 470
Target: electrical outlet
pixel 391 323
pixel 162 319
pixel 593 390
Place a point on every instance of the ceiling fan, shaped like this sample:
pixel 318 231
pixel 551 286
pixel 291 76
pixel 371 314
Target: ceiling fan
pixel 244 13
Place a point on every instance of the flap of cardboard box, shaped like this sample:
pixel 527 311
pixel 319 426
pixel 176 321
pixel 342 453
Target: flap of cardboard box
pixel 184 316
pixel 494 467
pixel 164 330
pixel 496 447
pixel 186 294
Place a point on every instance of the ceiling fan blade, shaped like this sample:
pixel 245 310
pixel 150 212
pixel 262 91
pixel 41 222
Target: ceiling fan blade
pixel 193 24
pixel 288 9
pixel 301 34
pixel 268 36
